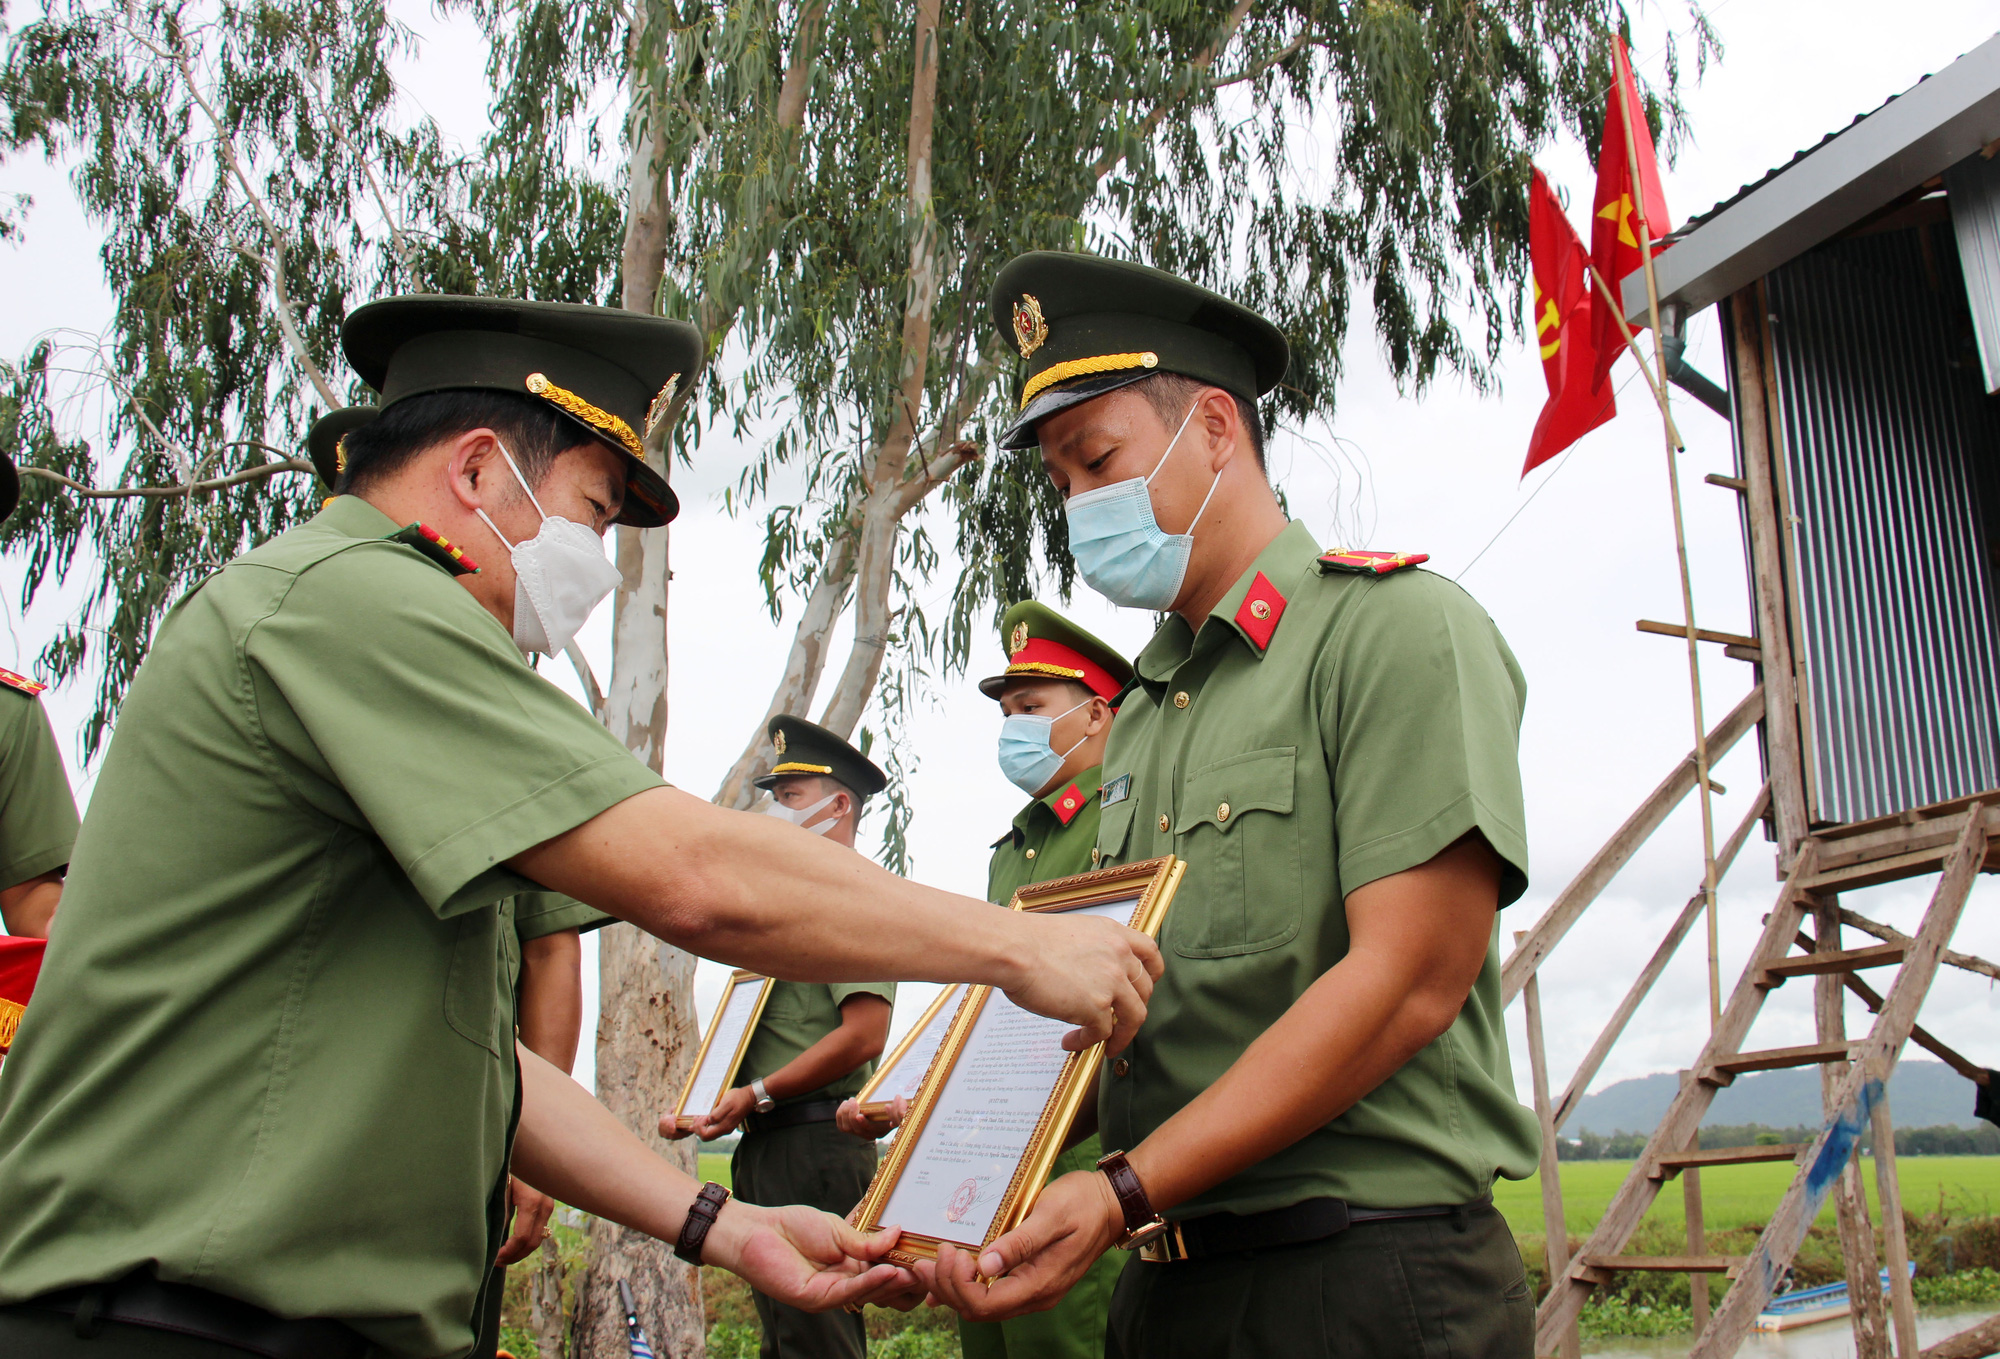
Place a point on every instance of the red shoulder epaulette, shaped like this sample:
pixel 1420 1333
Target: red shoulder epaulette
pixel 1362 562
pixel 21 682
pixel 437 547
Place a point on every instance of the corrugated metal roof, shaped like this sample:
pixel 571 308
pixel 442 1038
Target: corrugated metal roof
pixel 1831 185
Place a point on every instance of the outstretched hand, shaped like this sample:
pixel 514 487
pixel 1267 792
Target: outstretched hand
pixel 1075 1221
pixel 1096 974
pixel 809 1259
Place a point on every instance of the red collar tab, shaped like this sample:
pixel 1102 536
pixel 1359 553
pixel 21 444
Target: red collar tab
pixel 1069 804
pixel 1361 562
pixel 1040 656
pixel 1262 607
pixel 437 547
pixel 21 682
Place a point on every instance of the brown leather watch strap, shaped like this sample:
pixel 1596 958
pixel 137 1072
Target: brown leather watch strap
pixel 1141 1222
pixel 707 1206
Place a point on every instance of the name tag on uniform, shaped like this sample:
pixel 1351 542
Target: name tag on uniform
pixel 1116 791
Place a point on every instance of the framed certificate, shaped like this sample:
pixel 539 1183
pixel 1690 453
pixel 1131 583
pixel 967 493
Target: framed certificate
pixel 902 1071
pixel 729 1031
pixel 993 1109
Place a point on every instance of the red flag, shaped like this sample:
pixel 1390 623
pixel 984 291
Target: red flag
pixel 20 964
pixel 1579 398
pixel 1618 210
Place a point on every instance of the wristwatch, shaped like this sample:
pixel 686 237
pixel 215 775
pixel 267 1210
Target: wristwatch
pixel 707 1206
pixel 763 1097
pixel 1142 1224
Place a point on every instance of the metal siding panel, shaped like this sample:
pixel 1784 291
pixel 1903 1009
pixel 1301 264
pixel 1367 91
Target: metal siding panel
pixel 1890 447
pixel 1972 187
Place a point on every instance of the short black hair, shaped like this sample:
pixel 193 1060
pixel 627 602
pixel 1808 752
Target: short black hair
pixel 1170 395
pixel 533 431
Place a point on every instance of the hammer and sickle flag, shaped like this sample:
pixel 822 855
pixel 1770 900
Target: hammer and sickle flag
pixel 1580 397
pixel 1628 199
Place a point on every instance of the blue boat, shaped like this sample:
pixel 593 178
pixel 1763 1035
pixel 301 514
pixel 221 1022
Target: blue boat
pixel 1807 1306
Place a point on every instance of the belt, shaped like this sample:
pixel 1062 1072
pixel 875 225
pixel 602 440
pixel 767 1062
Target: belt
pixel 1212 1234
pixel 142 1300
pixel 792 1115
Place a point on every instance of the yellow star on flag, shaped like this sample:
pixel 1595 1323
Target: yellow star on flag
pixel 1621 213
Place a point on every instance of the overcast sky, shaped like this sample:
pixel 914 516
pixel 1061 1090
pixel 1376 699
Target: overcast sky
pixel 1565 561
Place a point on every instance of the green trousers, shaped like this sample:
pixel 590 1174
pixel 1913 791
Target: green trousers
pixel 27 1331
pixel 1417 1288
pixel 816 1164
pixel 1074 1327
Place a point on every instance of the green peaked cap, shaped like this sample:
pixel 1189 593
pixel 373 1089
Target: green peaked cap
pixel 614 373
pixel 1042 644
pixel 802 747
pixel 1086 325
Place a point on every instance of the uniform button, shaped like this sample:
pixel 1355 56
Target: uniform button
pixel 1181 699
pixel 1163 820
pixel 1221 814
pixel 1120 1067
pixel 1095 855
pixel 1031 854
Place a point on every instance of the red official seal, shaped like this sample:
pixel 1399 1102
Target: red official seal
pixel 962 1199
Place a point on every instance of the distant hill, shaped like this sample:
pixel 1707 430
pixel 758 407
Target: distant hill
pixel 1921 1095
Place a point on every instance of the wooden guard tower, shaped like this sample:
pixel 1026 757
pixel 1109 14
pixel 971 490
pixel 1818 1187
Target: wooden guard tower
pixel 1858 292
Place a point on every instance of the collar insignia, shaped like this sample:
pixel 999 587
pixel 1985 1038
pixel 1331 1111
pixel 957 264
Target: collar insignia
pixel 1030 330
pixel 656 414
pixel 778 742
pixel 1262 607
pixel 1018 641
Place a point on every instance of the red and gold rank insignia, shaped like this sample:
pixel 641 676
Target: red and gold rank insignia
pixel 437 547
pixel 1262 607
pixel 1362 562
pixel 1069 804
pixel 21 683
pixel 1030 329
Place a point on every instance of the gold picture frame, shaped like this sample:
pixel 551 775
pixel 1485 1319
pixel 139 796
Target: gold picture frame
pixel 1149 887
pixel 890 1075
pixel 734 1020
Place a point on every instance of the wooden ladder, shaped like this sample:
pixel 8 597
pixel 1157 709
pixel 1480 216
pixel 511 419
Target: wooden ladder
pixel 1867 1062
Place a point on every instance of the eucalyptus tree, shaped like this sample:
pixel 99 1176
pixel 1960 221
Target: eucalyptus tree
pixel 826 190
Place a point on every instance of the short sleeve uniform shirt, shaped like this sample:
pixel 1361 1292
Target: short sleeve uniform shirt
pixel 1319 732
pixel 278 1058
pixel 37 812
pixel 797 1015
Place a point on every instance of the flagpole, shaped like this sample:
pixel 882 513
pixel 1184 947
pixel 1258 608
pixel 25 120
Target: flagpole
pixel 1645 370
pixel 1622 83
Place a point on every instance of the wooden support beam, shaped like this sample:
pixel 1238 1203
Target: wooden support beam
pixel 1744 653
pixel 1867 1319
pixel 1756 452
pixel 1975 1343
pixel 1895 1241
pixel 1619 849
pixel 1555 1226
pixel 1660 1264
pixel 1727 483
pixel 1889 934
pixel 1834 961
pixel 1727 1069
pixel 1700 634
pixel 1670 1166
pixel 1860 1089
pixel 1587 1070
pixel 1621 1218
pixel 1921 1036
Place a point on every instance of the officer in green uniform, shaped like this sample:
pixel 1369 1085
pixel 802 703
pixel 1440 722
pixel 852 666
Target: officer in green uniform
pixel 814 1045
pixel 270 1092
pixel 1320 1098
pixel 1058 694
pixel 37 812
pixel 547 956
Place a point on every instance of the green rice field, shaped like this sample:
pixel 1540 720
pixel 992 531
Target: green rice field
pixel 1738 1196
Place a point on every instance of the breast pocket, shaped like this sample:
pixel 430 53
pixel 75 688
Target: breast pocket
pixel 1114 830
pixel 1242 892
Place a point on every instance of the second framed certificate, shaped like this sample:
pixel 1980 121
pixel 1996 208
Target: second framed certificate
pixel 999 1097
pixel 722 1047
pixel 901 1074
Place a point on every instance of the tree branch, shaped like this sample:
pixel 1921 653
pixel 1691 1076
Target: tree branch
pixel 400 242
pixel 269 469
pixel 1890 935
pixel 274 264
pixel 1255 69
pixel 1111 160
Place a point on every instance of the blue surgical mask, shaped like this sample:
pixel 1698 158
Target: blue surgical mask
pixel 1027 758
pixel 1118 544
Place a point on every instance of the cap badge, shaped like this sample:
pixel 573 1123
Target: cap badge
pixel 778 742
pixel 1018 641
pixel 340 455
pixel 656 414
pixel 1030 330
